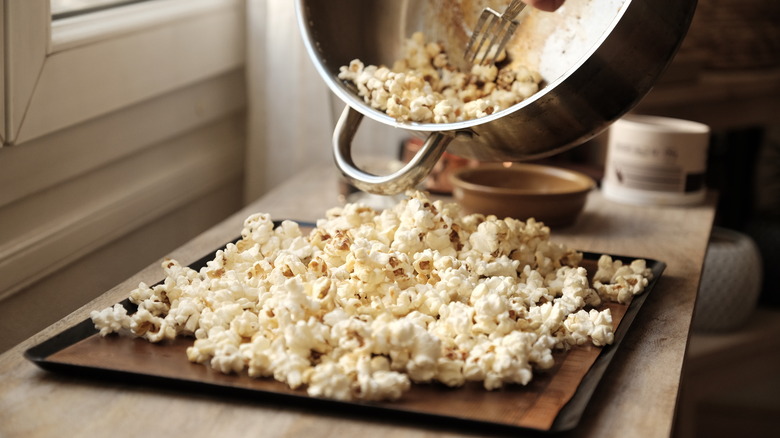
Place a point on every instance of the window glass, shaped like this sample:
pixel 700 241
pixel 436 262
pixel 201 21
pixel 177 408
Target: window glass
pixel 69 8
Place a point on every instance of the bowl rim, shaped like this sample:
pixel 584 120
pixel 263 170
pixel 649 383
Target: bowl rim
pixel 351 98
pixel 586 182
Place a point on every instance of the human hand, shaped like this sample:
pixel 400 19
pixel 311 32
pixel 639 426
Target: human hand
pixel 545 5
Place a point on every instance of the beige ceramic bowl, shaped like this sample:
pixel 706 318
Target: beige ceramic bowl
pixel 552 195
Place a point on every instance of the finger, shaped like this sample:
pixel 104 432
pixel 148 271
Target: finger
pixel 545 5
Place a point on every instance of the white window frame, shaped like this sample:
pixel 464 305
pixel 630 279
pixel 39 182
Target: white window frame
pixel 2 74
pixel 58 74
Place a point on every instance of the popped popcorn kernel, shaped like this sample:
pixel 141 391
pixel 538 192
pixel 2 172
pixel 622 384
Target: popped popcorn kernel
pixel 111 319
pixel 618 282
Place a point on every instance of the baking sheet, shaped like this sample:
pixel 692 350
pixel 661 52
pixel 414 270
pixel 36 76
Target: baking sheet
pixel 553 401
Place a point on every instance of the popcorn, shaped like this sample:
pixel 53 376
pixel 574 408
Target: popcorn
pixel 424 87
pixel 111 319
pixel 369 302
pixel 617 282
pixel 328 380
pixel 153 328
pixel 227 359
pixel 594 325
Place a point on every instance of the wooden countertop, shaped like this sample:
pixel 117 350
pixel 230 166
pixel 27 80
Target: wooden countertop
pixel 636 397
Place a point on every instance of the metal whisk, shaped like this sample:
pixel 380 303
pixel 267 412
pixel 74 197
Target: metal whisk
pixel 491 34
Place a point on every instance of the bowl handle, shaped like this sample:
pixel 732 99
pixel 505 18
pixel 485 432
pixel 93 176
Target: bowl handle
pixel 405 178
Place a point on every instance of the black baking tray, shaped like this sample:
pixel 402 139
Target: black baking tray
pixel 45 355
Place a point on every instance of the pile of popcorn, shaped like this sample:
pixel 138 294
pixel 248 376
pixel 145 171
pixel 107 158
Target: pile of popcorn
pixel 369 302
pixel 425 87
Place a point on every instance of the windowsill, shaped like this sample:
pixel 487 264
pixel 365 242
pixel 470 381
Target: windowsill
pixel 69 33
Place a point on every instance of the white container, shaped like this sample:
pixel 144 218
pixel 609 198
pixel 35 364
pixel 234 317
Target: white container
pixel 656 161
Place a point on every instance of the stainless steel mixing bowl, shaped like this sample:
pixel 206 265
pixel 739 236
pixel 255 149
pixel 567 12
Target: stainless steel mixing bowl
pixel 597 58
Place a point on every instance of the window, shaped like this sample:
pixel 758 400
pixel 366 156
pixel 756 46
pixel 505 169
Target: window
pixel 63 72
pixel 87 75
pixel 68 8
